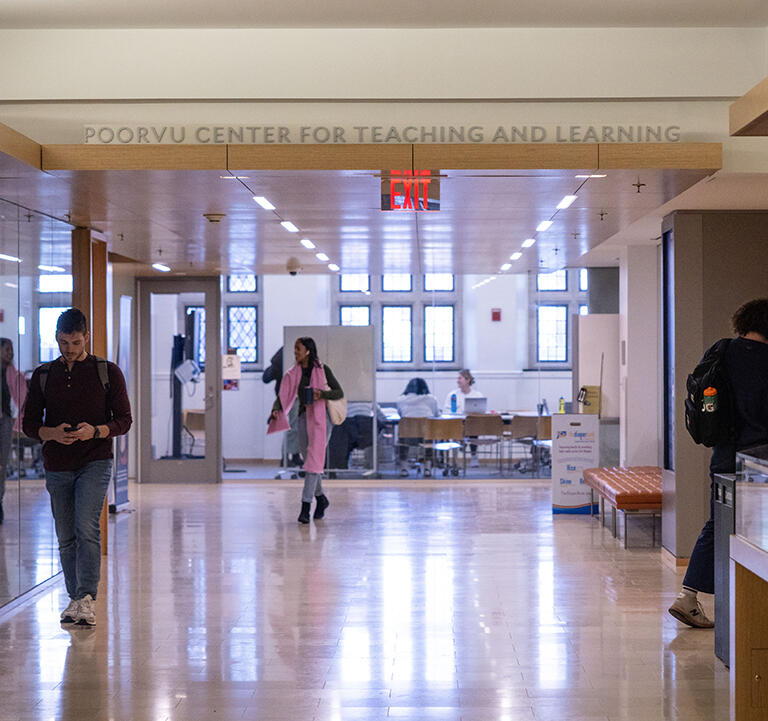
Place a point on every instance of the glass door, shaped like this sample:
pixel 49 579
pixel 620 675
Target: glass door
pixel 180 380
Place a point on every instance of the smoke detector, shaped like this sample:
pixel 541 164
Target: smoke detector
pixel 214 217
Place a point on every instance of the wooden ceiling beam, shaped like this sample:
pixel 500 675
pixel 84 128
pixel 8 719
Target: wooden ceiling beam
pixel 749 114
pixel 20 147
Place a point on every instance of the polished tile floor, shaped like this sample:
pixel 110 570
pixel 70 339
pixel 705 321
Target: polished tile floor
pixel 457 601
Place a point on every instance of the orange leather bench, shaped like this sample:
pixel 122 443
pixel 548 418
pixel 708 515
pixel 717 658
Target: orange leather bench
pixel 632 490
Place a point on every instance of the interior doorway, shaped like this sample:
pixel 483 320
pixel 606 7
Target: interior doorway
pixel 179 381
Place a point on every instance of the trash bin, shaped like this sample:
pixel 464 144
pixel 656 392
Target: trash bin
pixel 725 525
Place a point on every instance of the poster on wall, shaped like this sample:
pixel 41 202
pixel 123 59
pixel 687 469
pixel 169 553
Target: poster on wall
pixel 120 470
pixel 575 446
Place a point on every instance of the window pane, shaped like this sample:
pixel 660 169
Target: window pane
pixel 583 279
pixel 355 282
pixel 199 333
pixel 46 330
pixel 355 315
pixel 243 332
pixel 583 310
pixel 396 281
pixel 552 281
pixel 552 332
pixel 241 283
pixel 396 334
pixel 57 283
pixel 438 281
pixel 438 333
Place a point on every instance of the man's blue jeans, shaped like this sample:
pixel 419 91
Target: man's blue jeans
pixel 76 501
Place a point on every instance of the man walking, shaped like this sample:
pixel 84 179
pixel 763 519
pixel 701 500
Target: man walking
pixel 75 405
pixel 746 367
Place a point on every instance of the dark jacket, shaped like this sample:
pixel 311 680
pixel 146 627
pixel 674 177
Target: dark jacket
pixel 74 397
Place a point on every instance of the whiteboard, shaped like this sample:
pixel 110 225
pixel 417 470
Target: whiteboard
pixel 347 350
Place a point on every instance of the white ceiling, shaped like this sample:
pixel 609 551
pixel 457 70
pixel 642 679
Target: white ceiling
pixel 16 14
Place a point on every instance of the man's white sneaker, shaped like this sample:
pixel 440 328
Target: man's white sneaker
pixel 86 611
pixel 687 609
pixel 69 614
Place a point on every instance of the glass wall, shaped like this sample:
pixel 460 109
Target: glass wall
pixel 35 285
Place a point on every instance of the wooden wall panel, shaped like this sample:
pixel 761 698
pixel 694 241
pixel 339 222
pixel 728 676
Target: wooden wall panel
pixel 677 156
pixel 134 157
pixel 319 157
pixel 521 156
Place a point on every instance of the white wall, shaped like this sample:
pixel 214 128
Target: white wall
pixel 300 63
pixel 639 372
pixel 496 345
pixel 599 346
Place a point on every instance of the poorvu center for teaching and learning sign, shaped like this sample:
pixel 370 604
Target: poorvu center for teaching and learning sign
pixel 392 134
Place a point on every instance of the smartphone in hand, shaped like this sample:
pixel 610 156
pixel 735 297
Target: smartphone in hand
pixel 70 429
pixel 309 396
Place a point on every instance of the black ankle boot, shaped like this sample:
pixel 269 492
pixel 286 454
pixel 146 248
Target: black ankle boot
pixel 322 504
pixel 304 515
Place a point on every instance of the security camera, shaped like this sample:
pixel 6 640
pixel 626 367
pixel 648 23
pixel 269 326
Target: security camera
pixel 293 266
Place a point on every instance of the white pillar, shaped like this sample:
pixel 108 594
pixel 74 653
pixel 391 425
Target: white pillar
pixel 639 359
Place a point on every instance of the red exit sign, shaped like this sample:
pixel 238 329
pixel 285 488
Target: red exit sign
pixel 411 190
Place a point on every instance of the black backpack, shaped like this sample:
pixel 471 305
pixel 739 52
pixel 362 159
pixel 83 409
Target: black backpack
pixel 101 368
pixel 712 427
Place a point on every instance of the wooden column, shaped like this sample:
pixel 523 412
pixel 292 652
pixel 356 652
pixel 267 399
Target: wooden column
pixel 89 294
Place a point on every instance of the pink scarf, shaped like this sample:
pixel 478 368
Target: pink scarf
pixel 315 413
pixel 17 384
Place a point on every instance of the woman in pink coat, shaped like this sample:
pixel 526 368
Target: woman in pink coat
pixel 313 383
pixel 13 393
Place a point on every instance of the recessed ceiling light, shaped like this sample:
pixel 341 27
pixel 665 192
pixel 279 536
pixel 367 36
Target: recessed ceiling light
pixel 12 258
pixel 516 255
pixel 597 175
pixel 333 267
pixel 322 256
pixel 290 227
pixel 162 268
pixel 544 225
pixel 506 266
pixel 528 242
pixel 307 243
pixel 263 202
pixel 566 202
pixel 51 268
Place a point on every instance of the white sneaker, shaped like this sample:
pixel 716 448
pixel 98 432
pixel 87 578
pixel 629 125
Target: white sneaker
pixel 69 614
pixel 687 609
pixel 474 462
pixel 86 612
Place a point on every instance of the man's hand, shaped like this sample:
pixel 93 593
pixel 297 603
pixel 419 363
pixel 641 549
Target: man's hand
pixel 84 432
pixel 59 433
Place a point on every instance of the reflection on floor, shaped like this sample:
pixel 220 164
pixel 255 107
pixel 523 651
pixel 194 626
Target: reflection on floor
pixel 451 601
pixel 28 548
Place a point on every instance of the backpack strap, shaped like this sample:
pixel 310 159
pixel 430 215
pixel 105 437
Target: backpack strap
pixel 103 370
pixel 43 375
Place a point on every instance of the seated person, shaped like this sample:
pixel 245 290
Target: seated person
pixel 416 402
pixel 465 381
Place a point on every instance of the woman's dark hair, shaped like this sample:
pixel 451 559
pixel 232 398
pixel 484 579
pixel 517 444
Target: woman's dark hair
pixel 468 375
pixel 752 317
pixel 72 321
pixel 5 342
pixel 309 344
pixel 418 386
